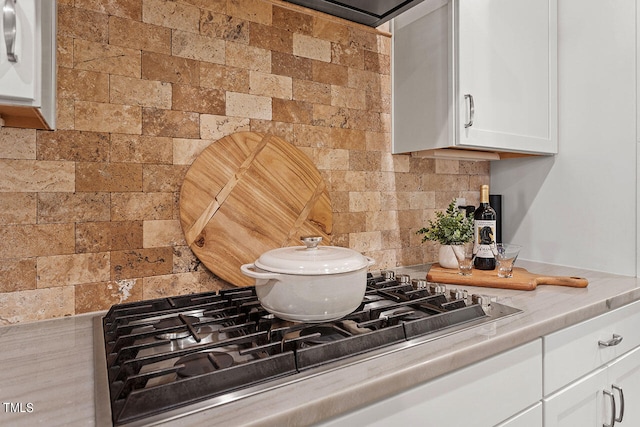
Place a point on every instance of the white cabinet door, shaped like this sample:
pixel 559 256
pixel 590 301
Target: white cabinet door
pixel 498 54
pixel 531 417
pixel 18 53
pixel 480 395
pixel 581 404
pixel 507 64
pixel 624 373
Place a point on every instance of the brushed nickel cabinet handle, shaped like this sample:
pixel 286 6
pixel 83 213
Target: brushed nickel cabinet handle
pixel 471 110
pixel 9 23
pixel 619 390
pixel 613 409
pixel 617 339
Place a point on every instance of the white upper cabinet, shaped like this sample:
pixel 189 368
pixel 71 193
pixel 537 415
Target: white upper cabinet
pixel 476 75
pixel 27 63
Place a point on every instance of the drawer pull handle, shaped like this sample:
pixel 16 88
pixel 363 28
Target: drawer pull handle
pixel 617 339
pixel 613 409
pixel 9 22
pixel 471 110
pixel 619 390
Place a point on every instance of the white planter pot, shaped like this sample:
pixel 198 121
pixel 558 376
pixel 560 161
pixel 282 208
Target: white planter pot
pixel 446 257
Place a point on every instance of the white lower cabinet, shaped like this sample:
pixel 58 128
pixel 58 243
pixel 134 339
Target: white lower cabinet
pixel 505 389
pixel 609 393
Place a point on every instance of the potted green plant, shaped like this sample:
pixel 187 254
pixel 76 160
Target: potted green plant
pixel 451 227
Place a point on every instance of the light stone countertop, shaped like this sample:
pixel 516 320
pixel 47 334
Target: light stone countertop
pixel 48 366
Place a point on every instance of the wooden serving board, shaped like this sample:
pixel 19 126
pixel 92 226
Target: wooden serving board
pixel 522 280
pixel 248 193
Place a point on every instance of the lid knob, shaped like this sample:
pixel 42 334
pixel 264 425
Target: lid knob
pixel 311 242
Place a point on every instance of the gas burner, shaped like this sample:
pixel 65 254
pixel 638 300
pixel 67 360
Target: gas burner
pixel 172 322
pixel 203 363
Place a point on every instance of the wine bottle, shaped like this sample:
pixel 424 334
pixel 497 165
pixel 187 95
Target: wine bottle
pixel 485 232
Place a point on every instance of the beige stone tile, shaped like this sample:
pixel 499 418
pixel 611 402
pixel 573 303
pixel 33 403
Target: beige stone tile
pixel 251 106
pixel 182 284
pixel 286 64
pixel 106 58
pixel 170 69
pixel 72 207
pixel 32 175
pixel 83 85
pixel 94 176
pixel 185 261
pixel 201 48
pixel 65 111
pixel 364 160
pixel 82 24
pixel 198 99
pixel 218 6
pixel 312 136
pixel 329 159
pixel 364 201
pixel 348 97
pixel 24 241
pixel 378 141
pixel 224 78
pixel 271 85
pixel 248 57
pixel 17 143
pixel 108 236
pixel 330 30
pixel 171 14
pixel 162 233
pixel 309 91
pixel 141 263
pixel 65 270
pixel 73 146
pixel 347 55
pixel 251 10
pixel 223 26
pixel 409 182
pixel 271 38
pixel 186 150
pixel 347 181
pixel 175 124
pixel 163 178
pixel 410 219
pixel 214 127
pixel 349 222
pixel 133 91
pixel 385 259
pixel 131 9
pixel 365 241
pixel 141 206
pixel 141 149
pixel 422 200
pixel 137 35
pixel 64 51
pixel 91 297
pixel 102 117
pixel 363 38
pixel 18 208
pixel 332 74
pixel 311 47
pixel 37 304
pixel 382 220
pixel 292 20
pixel 292 111
pixel 17 274
pixel 447 166
pixel 282 130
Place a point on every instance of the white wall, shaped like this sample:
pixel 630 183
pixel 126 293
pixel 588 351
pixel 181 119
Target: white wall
pixel 578 208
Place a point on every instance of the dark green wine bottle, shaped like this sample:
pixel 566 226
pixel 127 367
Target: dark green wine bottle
pixel 485 232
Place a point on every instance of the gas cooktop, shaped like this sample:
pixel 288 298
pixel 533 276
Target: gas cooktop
pixel 163 357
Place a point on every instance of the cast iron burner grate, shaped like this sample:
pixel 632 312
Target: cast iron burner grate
pixel 165 354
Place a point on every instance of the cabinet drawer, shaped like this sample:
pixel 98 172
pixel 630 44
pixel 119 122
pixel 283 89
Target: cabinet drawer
pixel 574 351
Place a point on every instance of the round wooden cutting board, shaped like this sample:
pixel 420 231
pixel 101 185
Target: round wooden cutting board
pixel 248 193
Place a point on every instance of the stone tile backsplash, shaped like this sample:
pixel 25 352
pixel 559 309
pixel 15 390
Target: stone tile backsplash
pixel 89 212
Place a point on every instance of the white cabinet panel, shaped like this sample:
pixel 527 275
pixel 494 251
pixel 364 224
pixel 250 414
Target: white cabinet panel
pixel 574 351
pixel 18 78
pixel 28 63
pixel 482 394
pixel 499 54
pixel 531 417
pixel 624 373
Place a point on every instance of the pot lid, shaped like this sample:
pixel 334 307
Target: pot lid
pixel 311 259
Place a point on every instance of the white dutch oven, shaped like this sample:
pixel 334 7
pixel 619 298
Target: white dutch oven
pixel 310 283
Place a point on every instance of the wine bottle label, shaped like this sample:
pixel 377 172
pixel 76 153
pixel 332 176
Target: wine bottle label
pixel 485 234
